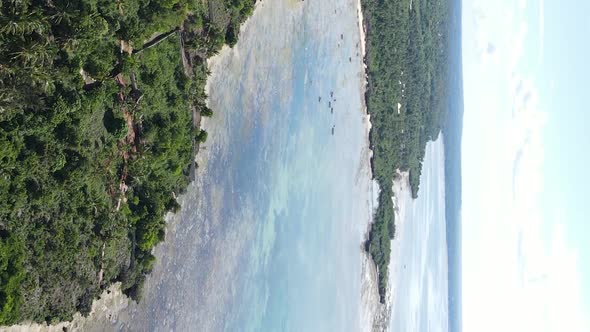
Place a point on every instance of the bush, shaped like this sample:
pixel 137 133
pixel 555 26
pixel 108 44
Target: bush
pixel 201 137
pixel 114 124
pixel 206 111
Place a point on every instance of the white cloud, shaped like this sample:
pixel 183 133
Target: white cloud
pixel 502 33
pixel 564 286
pixel 515 279
pixel 523 213
pixel 493 40
pixel 517 45
pixel 524 139
pixel 486 49
pixel 550 294
pixel 541 30
pixel 546 301
pixel 535 284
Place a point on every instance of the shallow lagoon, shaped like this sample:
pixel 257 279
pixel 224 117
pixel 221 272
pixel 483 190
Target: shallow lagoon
pixel 269 236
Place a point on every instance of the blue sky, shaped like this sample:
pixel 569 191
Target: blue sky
pixel 526 216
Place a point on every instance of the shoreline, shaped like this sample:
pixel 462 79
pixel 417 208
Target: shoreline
pixel 112 301
pixel 401 193
pixel 375 316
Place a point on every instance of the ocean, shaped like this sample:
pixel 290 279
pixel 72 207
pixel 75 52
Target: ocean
pixel 419 261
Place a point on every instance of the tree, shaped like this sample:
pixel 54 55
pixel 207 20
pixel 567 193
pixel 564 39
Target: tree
pixel 201 137
pixel 206 111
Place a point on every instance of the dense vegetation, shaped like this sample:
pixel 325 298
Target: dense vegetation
pixel 406 59
pixel 99 109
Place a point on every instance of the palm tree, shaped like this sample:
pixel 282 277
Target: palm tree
pixel 23 25
pixel 34 55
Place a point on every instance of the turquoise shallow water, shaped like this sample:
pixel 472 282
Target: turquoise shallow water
pixel 301 270
pixel 269 236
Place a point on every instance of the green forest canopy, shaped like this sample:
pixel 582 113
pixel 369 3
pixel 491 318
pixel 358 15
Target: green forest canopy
pixel 406 60
pixel 96 140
